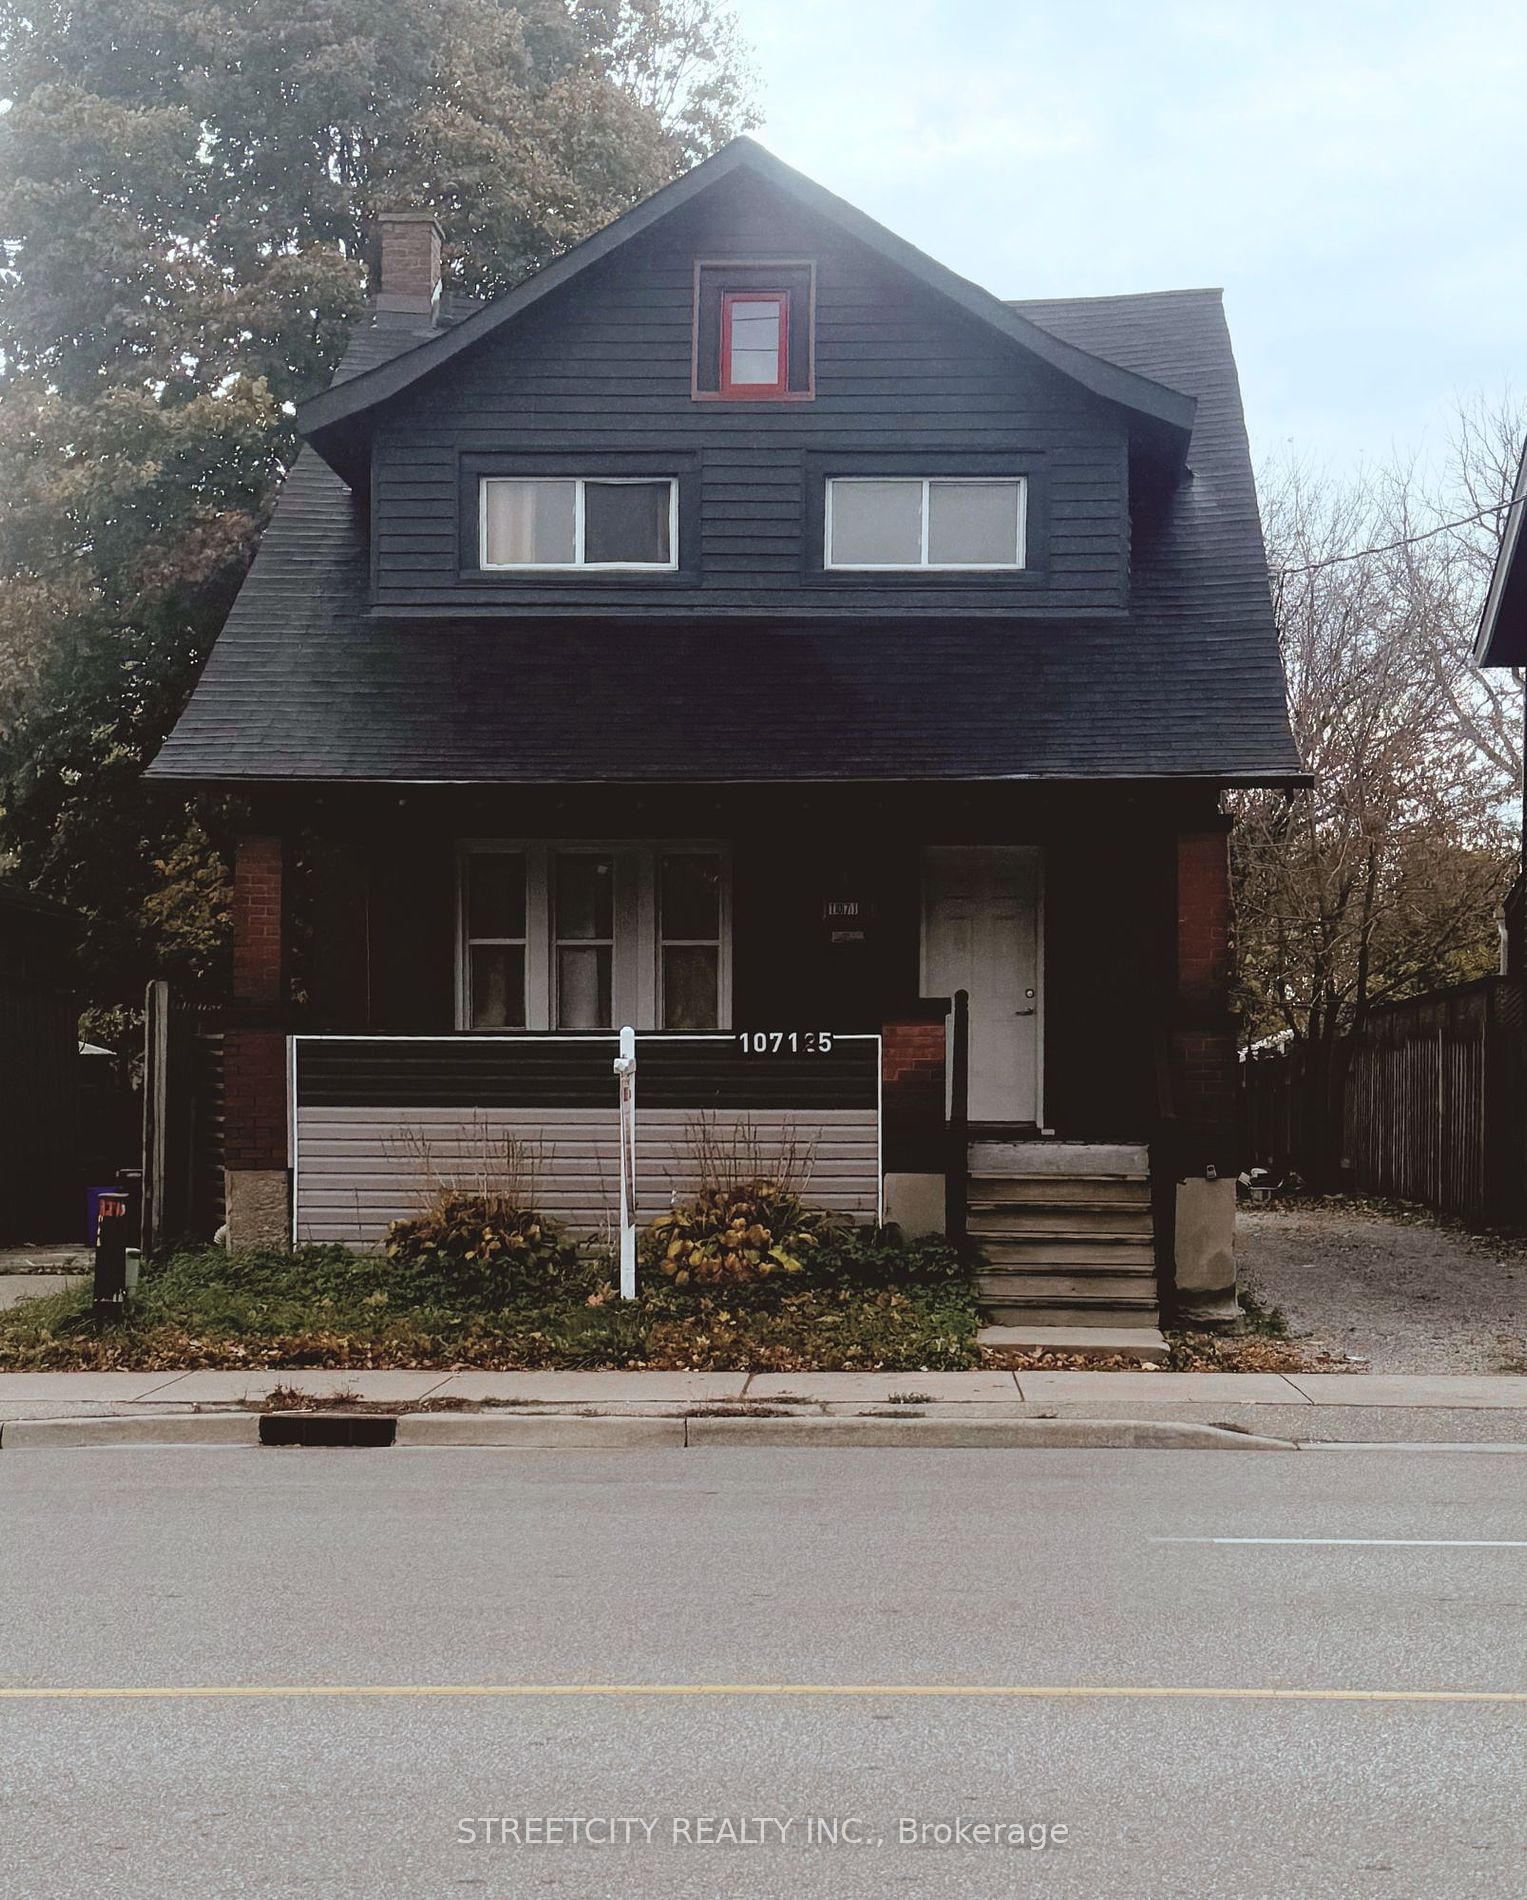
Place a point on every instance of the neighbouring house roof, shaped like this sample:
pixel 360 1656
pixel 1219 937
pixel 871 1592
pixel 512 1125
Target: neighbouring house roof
pixel 305 684
pixel 1502 637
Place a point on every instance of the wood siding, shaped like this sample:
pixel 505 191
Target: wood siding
pixel 599 381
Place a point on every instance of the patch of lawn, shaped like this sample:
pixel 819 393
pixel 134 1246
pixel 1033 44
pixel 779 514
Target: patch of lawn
pixel 897 1310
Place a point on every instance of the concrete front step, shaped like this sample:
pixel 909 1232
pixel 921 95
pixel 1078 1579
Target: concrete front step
pixel 1132 1289
pixel 1096 1217
pixel 1075 1158
pixel 1120 1251
pixel 1055 1190
pixel 1069 1313
pixel 1023 1340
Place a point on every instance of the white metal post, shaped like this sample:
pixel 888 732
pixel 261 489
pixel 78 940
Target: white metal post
pixel 625 1069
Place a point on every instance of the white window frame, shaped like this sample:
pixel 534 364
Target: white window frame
pixel 923 565
pixel 636 962
pixel 467 943
pixel 578 563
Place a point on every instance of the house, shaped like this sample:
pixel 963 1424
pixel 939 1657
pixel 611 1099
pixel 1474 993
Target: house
pixel 752 632
pixel 1502 642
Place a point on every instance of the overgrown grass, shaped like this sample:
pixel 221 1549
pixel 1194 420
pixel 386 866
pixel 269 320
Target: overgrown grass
pixel 874 1305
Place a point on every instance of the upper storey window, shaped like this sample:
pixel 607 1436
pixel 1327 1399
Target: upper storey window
pixel 753 332
pixel 755 343
pixel 578 521
pixel 913 522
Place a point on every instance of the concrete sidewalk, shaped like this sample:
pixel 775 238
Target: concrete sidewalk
pixel 1309 1408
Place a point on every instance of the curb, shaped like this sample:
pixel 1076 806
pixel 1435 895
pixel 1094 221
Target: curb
pixel 570 1431
pixel 175 1428
pixel 547 1431
pixel 991 1434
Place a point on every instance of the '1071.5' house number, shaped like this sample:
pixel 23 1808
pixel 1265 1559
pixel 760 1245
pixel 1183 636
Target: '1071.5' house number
pixel 790 1042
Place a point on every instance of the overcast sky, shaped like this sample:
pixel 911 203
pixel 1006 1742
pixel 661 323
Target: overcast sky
pixel 1352 172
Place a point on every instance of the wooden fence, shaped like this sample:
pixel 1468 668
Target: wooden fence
pixel 1434 1108
pixel 182 1119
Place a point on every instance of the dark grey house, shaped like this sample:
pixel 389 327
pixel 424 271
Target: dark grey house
pixel 1502 642
pixel 750 631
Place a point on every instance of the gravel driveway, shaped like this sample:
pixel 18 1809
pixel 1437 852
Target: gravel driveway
pixel 1395 1290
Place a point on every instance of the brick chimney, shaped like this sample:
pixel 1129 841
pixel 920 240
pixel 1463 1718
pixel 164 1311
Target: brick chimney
pixel 409 278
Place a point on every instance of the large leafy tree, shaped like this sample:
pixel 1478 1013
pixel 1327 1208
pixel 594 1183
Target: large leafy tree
pixel 185 193
pixel 1384 881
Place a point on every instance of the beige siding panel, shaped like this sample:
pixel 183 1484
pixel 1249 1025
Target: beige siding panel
pixel 357 1169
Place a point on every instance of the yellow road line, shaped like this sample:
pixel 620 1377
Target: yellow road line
pixel 530 1691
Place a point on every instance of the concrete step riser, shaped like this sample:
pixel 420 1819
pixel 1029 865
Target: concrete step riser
pixel 1015 1344
pixel 1059 1250
pixel 1006 1288
pixel 1109 1221
pixel 1060 1190
pixel 1005 1313
pixel 1058 1157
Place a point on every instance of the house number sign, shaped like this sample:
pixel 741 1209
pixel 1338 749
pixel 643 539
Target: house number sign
pixel 786 1042
pixel 846 919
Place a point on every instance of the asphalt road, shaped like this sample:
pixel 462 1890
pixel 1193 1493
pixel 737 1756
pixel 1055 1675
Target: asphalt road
pixel 402 1570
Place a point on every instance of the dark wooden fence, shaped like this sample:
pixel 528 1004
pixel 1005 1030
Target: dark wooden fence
pixel 1434 1108
pixel 1434 1104
pixel 42 1186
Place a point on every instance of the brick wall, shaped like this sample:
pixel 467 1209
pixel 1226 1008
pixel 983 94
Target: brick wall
pixel 1205 942
pixel 258 959
pixel 912 1097
pixel 254 1044
pixel 254 1099
pixel 1204 1029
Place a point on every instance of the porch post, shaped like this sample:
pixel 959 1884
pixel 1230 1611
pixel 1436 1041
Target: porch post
pixel 256 1183
pixel 1203 1056
pixel 914 1144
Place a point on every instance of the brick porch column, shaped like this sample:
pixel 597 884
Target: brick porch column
pixel 912 1133
pixel 1203 1063
pixel 255 1179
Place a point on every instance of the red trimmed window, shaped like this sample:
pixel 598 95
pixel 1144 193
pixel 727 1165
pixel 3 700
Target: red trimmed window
pixel 755 343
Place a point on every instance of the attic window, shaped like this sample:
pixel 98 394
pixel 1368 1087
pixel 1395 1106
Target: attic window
pixel 755 343
pixel 753 332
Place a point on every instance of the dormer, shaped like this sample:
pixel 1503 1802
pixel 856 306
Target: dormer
pixel 745 398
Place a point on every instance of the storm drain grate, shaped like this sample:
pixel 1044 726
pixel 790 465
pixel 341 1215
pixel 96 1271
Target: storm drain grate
pixel 327 1428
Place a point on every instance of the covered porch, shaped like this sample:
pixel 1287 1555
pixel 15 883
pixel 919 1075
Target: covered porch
pixel 1088 925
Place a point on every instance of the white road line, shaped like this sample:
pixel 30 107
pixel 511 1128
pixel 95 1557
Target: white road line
pixel 1414 1543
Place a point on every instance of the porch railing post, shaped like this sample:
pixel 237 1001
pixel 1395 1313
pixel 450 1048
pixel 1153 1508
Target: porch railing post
pixel 625 1070
pixel 957 1168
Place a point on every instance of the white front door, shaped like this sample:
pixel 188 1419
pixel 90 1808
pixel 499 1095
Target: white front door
pixel 981 934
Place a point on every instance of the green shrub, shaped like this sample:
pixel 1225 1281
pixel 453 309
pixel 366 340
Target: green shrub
pixel 881 1257
pixel 763 1236
pixel 483 1250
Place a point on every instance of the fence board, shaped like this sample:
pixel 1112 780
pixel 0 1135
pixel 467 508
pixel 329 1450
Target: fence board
pixel 1434 1106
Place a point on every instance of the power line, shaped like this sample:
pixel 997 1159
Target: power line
pixel 1406 541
